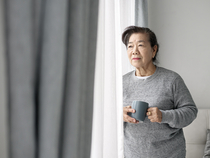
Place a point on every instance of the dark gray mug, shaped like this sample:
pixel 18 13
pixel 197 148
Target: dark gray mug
pixel 140 108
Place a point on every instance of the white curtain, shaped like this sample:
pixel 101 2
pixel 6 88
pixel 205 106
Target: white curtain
pixel 111 63
pixel 107 134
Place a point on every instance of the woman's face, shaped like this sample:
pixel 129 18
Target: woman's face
pixel 140 52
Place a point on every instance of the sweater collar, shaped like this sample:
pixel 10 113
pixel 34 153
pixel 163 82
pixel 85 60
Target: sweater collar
pixel 150 78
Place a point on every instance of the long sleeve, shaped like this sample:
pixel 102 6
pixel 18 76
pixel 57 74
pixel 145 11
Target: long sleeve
pixel 185 110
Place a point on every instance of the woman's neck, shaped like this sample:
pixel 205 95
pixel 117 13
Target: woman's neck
pixel 143 71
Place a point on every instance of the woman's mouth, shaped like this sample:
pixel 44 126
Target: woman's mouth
pixel 136 58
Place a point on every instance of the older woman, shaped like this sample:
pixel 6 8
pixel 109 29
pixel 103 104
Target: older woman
pixel 171 106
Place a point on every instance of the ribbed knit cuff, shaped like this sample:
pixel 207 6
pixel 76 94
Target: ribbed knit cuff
pixel 167 116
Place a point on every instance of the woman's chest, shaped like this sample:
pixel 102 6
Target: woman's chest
pixel 156 95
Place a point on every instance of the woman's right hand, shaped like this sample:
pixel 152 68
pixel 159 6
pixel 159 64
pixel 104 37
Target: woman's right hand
pixel 126 117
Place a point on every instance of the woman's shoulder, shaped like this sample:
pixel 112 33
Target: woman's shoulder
pixel 128 75
pixel 168 74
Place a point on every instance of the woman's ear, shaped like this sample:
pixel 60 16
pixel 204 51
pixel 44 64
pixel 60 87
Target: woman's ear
pixel 154 51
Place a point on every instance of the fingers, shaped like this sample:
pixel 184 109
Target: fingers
pixel 154 114
pixel 149 113
pixel 129 119
pixel 126 117
pixel 127 109
pixel 152 110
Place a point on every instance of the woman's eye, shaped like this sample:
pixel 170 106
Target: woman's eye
pixel 140 45
pixel 130 46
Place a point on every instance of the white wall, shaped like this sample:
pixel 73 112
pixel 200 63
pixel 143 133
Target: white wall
pixel 183 32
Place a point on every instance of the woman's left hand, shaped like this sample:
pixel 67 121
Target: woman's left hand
pixel 154 114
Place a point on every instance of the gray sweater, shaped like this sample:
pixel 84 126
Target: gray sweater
pixel 166 90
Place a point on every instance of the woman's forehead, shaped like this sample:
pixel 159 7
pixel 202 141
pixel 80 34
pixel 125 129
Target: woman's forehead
pixel 138 37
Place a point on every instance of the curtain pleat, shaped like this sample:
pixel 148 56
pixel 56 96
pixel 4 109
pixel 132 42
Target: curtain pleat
pixel 53 52
pixel 50 47
pixel 78 107
pixel 3 90
pixel 21 78
pixel 141 13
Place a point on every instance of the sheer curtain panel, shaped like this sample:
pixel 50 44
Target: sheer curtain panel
pixel 111 63
pixel 107 119
pixel 107 140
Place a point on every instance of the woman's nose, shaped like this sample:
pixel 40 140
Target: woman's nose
pixel 135 50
